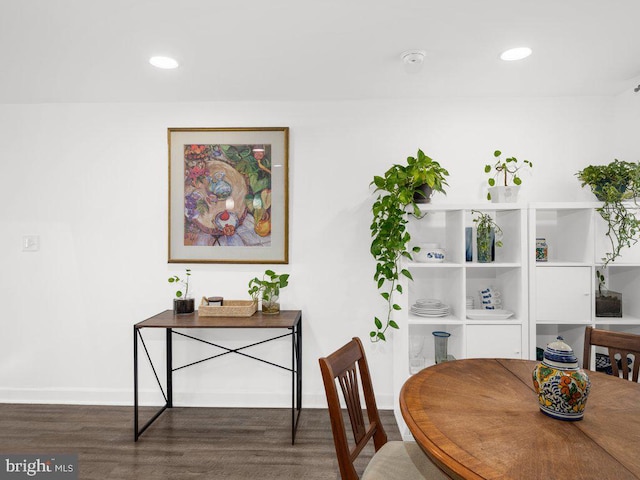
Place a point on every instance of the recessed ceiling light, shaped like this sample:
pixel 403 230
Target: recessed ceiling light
pixel 163 62
pixel 515 54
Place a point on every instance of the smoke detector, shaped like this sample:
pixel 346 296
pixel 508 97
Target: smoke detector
pixel 412 60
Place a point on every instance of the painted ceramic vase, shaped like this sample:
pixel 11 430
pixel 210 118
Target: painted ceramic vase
pixel 221 188
pixel 561 385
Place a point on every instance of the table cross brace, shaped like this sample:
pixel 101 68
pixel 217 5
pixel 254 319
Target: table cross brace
pixel 232 350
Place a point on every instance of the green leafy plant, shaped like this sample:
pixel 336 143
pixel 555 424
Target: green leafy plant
pixel 616 181
pixel 484 224
pixel 505 170
pixel 617 186
pixel 396 199
pixel 422 170
pixel 185 284
pixel 268 288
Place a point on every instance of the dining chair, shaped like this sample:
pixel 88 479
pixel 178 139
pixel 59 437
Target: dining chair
pixel 622 344
pixel 393 460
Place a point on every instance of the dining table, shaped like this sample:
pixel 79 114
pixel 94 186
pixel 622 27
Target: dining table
pixel 480 419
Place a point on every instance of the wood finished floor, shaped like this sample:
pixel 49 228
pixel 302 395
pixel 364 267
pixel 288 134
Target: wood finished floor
pixel 184 443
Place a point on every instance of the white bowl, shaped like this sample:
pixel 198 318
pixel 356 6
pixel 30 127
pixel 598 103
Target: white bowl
pixel 430 253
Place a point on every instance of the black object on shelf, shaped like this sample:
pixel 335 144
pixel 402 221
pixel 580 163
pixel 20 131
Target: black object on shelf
pixel 603 363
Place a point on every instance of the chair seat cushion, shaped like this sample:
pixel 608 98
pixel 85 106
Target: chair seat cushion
pixel 401 460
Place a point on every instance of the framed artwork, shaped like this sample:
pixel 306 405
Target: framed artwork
pixel 228 195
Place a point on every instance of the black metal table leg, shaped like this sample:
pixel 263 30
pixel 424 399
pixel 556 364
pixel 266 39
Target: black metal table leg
pixel 137 430
pixel 169 368
pixel 293 385
pixel 135 384
pixel 300 364
pixel 296 377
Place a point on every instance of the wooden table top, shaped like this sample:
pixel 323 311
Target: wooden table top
pixel 479 419
pixel 166 319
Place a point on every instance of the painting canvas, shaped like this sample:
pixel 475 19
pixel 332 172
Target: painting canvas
pixel 228 195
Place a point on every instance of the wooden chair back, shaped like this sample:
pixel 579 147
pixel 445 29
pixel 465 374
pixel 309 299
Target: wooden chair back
pixel 346 366
pixel 618 343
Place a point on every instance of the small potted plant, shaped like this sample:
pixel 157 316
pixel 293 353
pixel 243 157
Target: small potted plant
pixel 182 303
pixel 502 172
pixel 608 302
pixel 427 175
pixel 399 191
pixel 268 290
pixel 618 180
pixel 617 186
pixel 488 234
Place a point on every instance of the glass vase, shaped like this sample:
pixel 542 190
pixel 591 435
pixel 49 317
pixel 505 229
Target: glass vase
pixel 183 306
pixel 484 242
pixel 270 303
pixel 608 304
pixel 441 340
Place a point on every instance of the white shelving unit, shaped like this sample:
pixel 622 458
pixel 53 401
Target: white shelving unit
pixel 549 299
pixel 562 290
pixel 455 279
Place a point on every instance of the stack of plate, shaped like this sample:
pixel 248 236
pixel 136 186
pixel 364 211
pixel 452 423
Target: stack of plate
pixel 430 307
pixel 497 314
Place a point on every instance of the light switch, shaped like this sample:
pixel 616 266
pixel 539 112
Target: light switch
pixel 30 243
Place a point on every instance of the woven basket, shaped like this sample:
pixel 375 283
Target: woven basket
pixel 231 308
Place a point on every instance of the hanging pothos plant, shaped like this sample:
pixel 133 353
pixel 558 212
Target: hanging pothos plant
pixel 389 226
pixel 617 185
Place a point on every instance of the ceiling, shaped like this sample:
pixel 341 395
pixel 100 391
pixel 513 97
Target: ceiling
pixel 98 51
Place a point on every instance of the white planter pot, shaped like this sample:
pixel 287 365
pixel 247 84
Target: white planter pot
pixel 508 194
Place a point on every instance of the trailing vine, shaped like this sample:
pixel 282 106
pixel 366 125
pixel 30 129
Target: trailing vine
pixel 622 228
pixel 389 227
pixel 617 185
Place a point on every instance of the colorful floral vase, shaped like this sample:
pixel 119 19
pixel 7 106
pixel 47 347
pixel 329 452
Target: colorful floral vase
pixel 561 385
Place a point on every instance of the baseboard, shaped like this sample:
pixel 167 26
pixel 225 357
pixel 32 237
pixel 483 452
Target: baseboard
pixel 66 396
pixel 122 397
pixel 402 426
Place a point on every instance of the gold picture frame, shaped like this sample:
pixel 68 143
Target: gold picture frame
pixel 228 195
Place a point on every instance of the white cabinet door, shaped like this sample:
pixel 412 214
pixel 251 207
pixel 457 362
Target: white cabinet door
pixel 494 341
pixel 563 294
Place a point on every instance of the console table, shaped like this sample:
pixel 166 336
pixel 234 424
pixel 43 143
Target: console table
pixel 290 320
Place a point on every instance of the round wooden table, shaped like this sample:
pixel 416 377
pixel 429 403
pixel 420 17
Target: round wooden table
pixel 479 419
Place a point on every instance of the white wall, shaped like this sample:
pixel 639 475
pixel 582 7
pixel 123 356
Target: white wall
pixel 91 181
pixel 626 128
